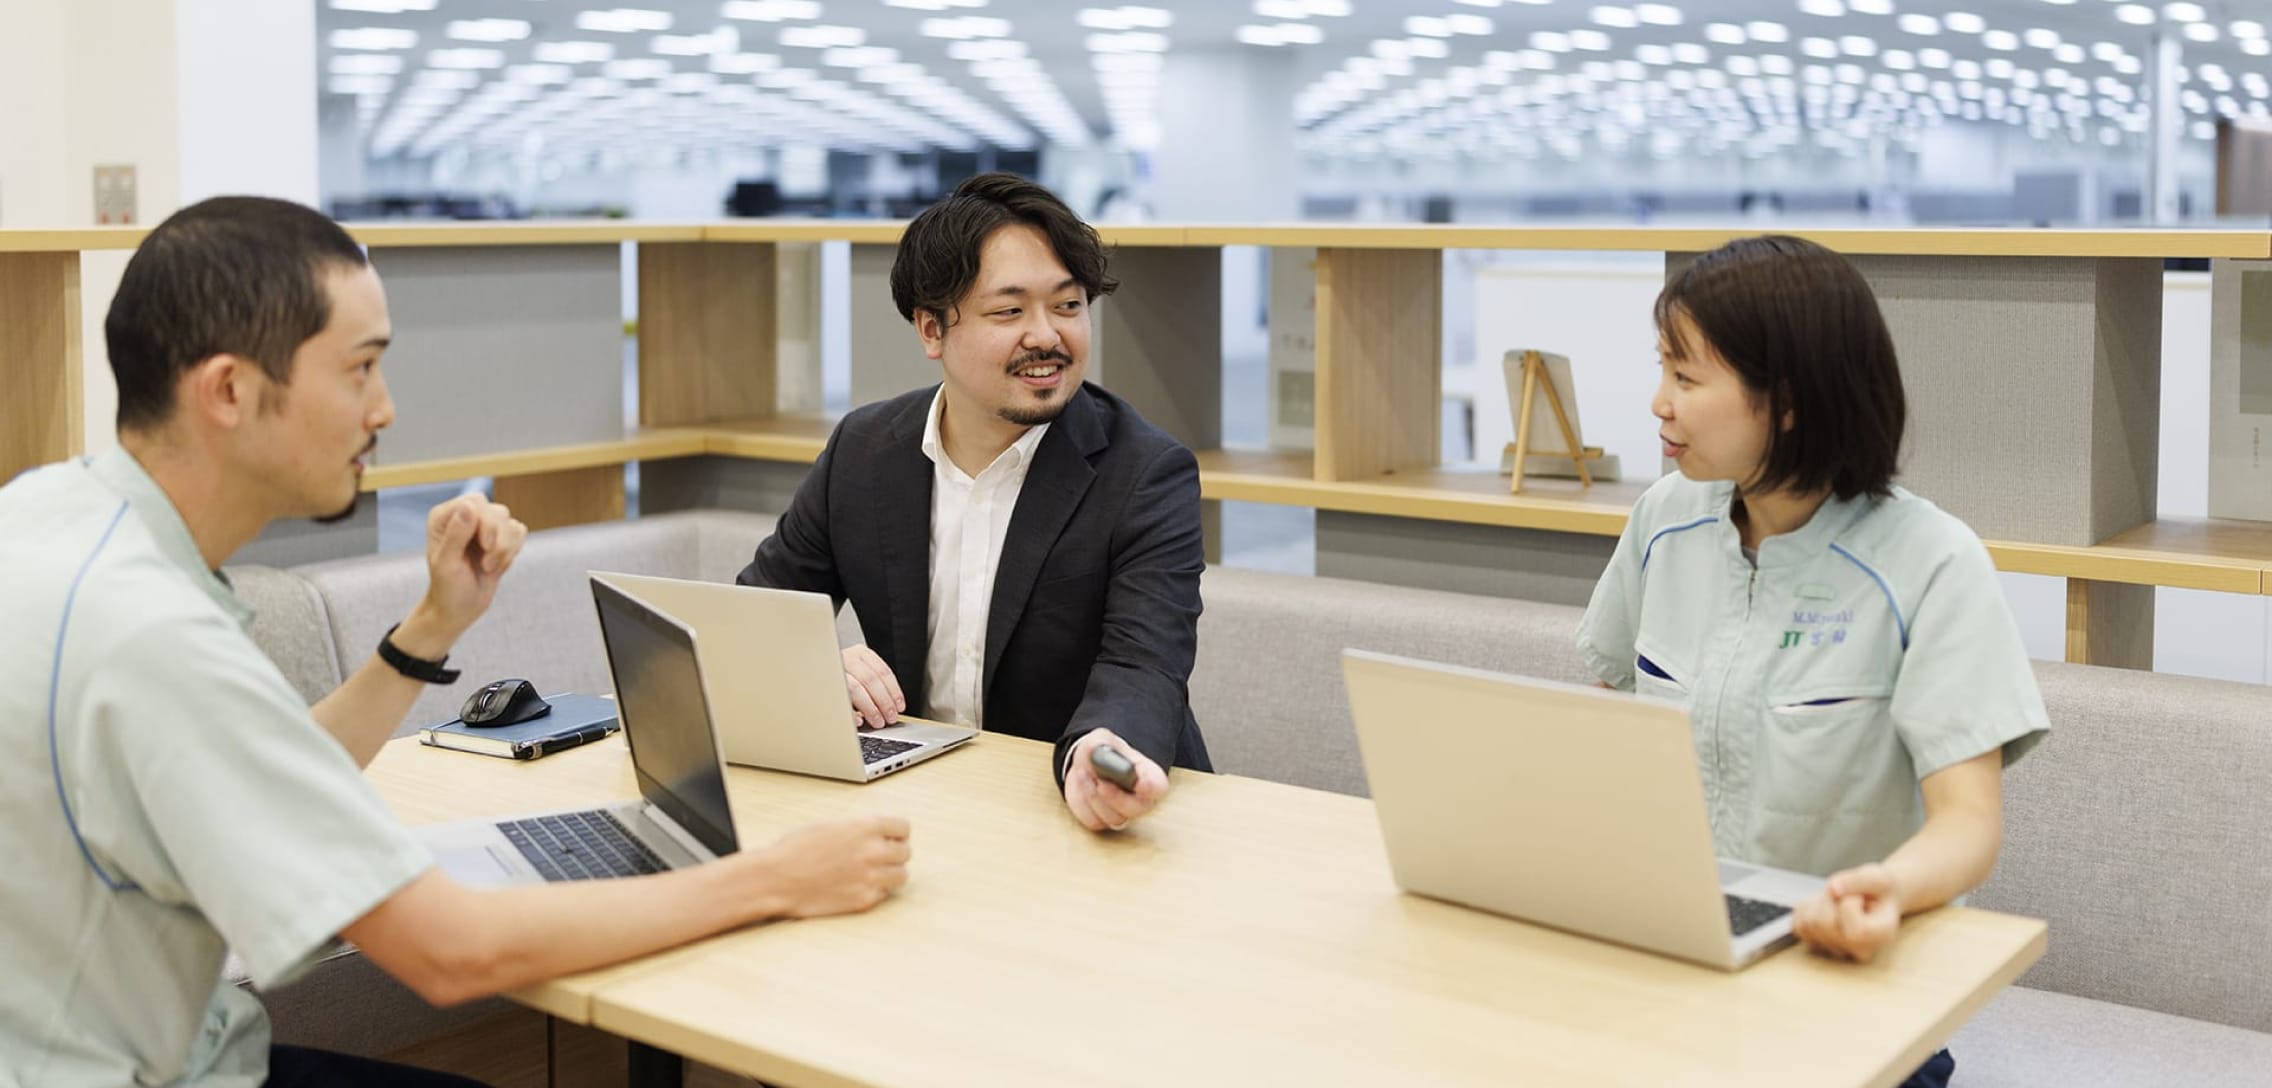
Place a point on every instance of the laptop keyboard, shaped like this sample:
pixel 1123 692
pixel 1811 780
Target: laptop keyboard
pixel 878 749
pixel 1745 915
pixel 580 846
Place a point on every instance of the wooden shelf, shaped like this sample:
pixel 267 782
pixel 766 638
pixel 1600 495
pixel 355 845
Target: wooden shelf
pixel 41 240
pixel 887 232
pixel 797 438
pixel 649 445
pixel 1974 242
pixel 521 232
pixel 1473 495
pixel 2221 556
pixel 1960 242
pixel 2182 553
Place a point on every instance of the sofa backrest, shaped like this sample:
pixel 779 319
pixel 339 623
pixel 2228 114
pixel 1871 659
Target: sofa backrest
pixel 2141 830
pixel 290 622
pixel 1267 686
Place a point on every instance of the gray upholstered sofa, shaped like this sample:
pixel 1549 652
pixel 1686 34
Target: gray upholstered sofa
pixel 2142 830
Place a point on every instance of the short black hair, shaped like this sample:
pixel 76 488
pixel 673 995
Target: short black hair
pixel 1800 326
pixel 938 255
pixel 239 275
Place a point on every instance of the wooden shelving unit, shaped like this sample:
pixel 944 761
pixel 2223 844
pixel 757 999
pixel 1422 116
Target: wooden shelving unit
pixel 709 359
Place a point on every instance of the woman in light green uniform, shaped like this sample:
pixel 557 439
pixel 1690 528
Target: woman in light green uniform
pixel 1854 680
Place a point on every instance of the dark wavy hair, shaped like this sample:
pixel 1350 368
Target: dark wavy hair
pixel 236 275
pixel 1800 327
pixel 938 255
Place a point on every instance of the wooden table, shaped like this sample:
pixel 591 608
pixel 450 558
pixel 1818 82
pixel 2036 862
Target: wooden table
pixel 1246 932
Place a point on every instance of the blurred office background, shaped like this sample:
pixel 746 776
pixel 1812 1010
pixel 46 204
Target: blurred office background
pixel 1771 113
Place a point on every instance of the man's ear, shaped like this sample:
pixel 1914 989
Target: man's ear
pixel 220 389
pixel 932 328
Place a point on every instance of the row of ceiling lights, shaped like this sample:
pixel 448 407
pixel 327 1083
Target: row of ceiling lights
pixel 1126 50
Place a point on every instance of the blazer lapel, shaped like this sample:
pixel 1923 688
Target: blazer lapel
pixel 902 493
pixel 1060 476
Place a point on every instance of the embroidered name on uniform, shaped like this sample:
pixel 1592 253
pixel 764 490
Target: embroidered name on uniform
pixel 1813 627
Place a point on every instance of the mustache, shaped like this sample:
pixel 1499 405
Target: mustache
pixel 1032 357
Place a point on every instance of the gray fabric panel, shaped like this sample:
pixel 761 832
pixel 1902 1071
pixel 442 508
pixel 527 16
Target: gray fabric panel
pixel 726 541
pixel 541 625
pixel 2036 1039
pixel 1487 560
pixel 1267 686
pixel 291 542
pixel 716 482
pixel 514 347
pixel 2138 830
pixel 291 626
pixel 347 1004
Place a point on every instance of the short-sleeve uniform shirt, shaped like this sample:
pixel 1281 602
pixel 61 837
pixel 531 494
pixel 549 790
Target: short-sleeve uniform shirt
pixel 1863 652
pixel 167 798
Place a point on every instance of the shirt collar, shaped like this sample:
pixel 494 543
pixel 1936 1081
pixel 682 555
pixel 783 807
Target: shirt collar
pixel 124 475
pixel 1020 452
pixel 1801 544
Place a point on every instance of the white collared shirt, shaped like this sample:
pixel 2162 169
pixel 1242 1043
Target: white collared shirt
pixel 969 520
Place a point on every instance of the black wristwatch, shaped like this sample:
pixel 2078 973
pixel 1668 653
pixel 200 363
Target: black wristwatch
pixel 416 668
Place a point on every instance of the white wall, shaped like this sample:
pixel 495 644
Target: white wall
pixel 246 80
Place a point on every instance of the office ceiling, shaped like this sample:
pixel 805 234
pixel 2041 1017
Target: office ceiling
pixel 1483 78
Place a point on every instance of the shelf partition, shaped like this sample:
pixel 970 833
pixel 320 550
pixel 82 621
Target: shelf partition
pixel 2033 360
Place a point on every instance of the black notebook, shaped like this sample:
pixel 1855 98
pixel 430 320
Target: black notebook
pixel 575 719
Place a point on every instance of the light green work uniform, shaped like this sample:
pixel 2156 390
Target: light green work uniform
pixel 167 797
pixel 1864 651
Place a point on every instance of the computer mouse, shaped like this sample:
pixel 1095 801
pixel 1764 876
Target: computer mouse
pixel 503 702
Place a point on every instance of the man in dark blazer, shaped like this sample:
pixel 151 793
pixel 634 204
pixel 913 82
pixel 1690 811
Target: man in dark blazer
pixel 1023 550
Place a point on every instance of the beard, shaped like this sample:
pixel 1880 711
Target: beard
pixel 347 512
pixel 354 500
pixel 1051 404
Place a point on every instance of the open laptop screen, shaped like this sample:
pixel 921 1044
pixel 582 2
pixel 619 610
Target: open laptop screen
pixel 658 692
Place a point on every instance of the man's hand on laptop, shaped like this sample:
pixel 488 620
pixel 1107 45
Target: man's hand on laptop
pixel 1100 805
pixel 876 698
pixel 1855 914
pixel 470 544
pixel 839 867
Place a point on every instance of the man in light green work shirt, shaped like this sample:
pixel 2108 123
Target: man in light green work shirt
pixel 171 798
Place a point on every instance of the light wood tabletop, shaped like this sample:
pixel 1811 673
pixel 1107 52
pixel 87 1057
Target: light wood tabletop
pixel 1245 932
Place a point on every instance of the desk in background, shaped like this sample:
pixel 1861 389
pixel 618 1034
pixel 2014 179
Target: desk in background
pixel 1245 932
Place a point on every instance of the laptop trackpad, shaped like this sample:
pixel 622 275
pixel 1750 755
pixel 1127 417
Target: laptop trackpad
pixel 1734 872
pixel 474 866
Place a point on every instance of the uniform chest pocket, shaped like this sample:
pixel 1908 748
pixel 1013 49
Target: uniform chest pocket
pixel 1830 753
pixel 1653 678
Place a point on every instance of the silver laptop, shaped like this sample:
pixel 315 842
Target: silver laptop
pixel 775 679
pixel 682 817
pixel 1572 807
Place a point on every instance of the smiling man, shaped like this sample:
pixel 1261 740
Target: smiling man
pixel 1023 550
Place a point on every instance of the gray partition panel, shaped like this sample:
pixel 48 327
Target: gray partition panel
pixel 2033 385
pixel 887 357
pixel 1158 341
pixel 725 483
pixel 1526 564
pixel 289 542
pixel 502 348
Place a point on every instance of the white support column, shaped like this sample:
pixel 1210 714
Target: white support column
pixel 1226 137
pixel 2167 130
pixel 200 97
